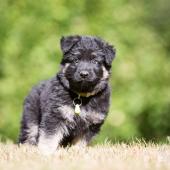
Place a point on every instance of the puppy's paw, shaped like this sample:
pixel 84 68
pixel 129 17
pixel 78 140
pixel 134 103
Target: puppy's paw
pixel 46 150
pixel 80 143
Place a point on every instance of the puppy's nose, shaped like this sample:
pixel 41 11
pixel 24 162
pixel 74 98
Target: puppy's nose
pixel 84 74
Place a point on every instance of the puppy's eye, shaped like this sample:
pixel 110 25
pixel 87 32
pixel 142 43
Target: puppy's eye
pixel 94 61
pixel 76 61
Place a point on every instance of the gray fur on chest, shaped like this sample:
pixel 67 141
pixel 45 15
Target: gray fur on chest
pixel 88 115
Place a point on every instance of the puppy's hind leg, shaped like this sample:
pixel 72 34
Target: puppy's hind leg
pixel 30 119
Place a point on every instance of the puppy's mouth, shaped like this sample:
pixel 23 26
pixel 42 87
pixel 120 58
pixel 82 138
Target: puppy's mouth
pixel 83 86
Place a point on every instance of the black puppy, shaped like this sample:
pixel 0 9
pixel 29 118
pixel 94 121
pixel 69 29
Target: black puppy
pixel 71 107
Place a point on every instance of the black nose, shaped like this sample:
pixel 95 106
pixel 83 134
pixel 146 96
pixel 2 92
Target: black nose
pixel 84 74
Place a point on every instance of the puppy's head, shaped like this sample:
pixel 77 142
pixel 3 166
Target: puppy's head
pixel 86 63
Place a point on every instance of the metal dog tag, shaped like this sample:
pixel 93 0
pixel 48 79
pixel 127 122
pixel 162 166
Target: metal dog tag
pixel 77 109
pixel 77 103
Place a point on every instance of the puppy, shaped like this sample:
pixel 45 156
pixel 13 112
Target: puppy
pixel 70 107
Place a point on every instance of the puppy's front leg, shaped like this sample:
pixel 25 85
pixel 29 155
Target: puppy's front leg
pixel 80 141
pixel 51 134
pixel 49 143
pixel 84 139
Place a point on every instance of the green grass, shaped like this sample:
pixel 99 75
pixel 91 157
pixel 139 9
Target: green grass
pixel 134 156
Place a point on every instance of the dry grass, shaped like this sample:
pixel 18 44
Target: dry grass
pixel 107 156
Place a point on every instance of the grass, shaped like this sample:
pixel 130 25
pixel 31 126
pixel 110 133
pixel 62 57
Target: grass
pixel 134 156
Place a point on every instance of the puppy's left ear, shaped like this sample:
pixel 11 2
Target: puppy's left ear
pixel 110 52
pixel 68 42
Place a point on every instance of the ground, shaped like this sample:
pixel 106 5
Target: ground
pixel 99 157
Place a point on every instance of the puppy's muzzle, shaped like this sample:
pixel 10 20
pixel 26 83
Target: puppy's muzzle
pixel 84 74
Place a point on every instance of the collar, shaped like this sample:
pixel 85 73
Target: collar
pixel 86 94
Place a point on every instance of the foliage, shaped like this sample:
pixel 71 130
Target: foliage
pixel 30 32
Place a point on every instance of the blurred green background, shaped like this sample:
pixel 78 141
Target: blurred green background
pixel 30 32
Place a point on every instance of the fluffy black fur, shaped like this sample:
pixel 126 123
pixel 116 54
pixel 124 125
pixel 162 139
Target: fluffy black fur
pixel 48 118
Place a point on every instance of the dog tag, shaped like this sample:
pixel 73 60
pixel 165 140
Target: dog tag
pixel 77 109
pixel 77 103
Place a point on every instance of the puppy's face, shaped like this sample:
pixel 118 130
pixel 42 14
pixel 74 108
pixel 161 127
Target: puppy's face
pixel 86 62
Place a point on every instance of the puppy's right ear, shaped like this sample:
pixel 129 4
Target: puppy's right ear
pixel 68 42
